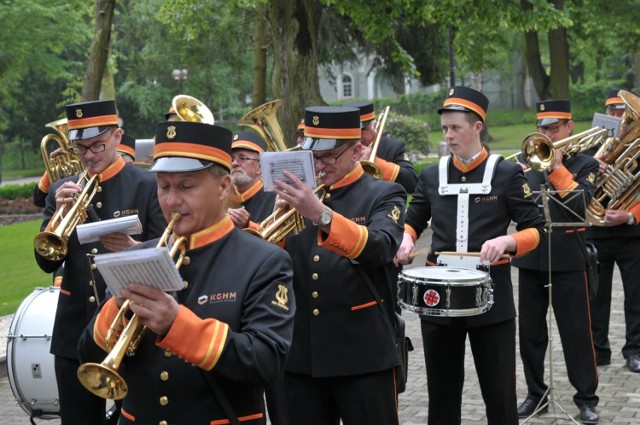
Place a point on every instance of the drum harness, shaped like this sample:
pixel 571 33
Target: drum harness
pixel 463 190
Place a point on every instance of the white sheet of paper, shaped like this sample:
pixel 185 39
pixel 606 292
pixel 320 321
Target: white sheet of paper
pixel 144 151
pixel 91 232
pixel 609 122
pixel 299 163
pixel 151 266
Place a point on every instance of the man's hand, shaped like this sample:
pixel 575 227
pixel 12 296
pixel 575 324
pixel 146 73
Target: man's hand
pixel 403 256
pixel 615 217
pixel 366 152
pixel 493 249
pixel 299 196
pixel 156 309
pixel 117 242
pixel 239 216
pixel 66 193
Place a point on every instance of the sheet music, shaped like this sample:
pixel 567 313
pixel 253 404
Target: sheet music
pixel 144 151
pixel 609 122
pixel 91 232
pixel 151 266
pixel 299 163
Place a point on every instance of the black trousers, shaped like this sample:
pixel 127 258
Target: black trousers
pixel 494 355
pixel 77 405
pixel 624 253
pixel 368 399
pixel 277 402
pixel 570 297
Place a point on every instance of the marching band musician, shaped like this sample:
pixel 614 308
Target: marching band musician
pixel 499 194
pixel 246 175
pixel 231 327
pixel 570 294
pixel 617 243
pixel 391 156
pixel 343 354
pixel 125 190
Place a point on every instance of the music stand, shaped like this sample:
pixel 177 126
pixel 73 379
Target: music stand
pixel 546 196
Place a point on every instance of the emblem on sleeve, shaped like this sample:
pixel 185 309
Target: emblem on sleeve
pixel 591 178
pixel 394 214
pixel 406 157
pixel 282 297
pixel 526 190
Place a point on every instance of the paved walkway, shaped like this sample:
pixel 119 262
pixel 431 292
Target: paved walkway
pixel 619 389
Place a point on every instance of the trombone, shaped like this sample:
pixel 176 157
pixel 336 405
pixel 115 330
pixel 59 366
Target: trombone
pixel 538 151
pixel 369 165
pixel 103 379
pixel 52 244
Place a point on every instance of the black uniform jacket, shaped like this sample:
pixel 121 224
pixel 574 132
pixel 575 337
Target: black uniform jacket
pixel 578 173
pixel 489 217
pixel 258 202
pixel 234 327
pixel 394 162
pixel 339 328
pixel 126 190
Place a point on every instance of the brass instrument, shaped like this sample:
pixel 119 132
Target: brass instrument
pixel 263 121
pixel 191 109
pixel 52 244
pixel 103 379
pixel 539 153
pixel 618 188
pixel 63 165
pixel 369 166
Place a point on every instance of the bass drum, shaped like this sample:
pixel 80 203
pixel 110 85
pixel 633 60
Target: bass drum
pixel 30 366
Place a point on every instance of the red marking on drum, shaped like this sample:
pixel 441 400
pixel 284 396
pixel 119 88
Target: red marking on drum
pixel 431 297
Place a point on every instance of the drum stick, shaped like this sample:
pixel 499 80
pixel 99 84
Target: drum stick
pixel 418 253
pixel 468 254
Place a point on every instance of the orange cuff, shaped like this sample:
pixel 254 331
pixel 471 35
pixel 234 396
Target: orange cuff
pixel 57 281
pixel 635 210
pixel 44 182
pixel 103 322
pixel 389 170
pixel 526 240
pixel 411 231
pixel 562 180
pixel 345 238
pixel 205 351
pixel 253 225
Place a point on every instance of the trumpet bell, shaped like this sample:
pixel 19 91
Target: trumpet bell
pixel 50 246
pixel 102 381
pixel 372 169
pixel 191 109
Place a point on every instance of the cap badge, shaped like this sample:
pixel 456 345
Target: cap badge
pixel 235 137
pixel 451 92
pixel 78 113
pixel 542 107
pixel 171 132
pixel 316 120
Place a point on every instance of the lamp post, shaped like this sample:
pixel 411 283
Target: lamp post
pixel 180 75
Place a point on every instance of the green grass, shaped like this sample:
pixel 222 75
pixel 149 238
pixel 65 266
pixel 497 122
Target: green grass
pixel 20 273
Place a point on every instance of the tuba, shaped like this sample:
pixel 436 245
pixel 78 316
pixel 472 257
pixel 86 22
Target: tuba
pixel 62 165
pixel 369 166
pixel 618 187
pixel 52 244
pixel 263 121
pixel 191 109
pixel 538 150
pixel 103 379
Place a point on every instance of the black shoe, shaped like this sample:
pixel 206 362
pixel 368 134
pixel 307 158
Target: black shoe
pixel 633 363
pixel 588 415
pixel 603 361
pixel 529 405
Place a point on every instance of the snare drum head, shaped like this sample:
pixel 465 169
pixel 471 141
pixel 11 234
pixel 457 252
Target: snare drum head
pixel 444 274
pixel 30 366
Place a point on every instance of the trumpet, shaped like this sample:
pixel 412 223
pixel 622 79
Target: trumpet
pixel 284 220
pixel 191 109
pixel 103 379
pixel 369 166
pixel 52 244
pixel 64 165
pixel 538 151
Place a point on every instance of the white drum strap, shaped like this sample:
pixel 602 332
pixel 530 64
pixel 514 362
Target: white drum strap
pixel 463 190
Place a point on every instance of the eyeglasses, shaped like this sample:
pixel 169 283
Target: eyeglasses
pixel 95 148
pixel 242 159
pixel 329 159
pixel 550 129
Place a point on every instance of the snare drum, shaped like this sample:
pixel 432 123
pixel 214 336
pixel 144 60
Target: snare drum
pixel 445 291
pixel 30 366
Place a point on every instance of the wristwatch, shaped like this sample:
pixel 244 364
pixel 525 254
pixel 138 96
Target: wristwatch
pixel 631 220
pixel 325 217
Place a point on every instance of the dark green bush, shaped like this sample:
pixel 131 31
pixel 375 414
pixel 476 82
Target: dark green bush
pixel 16 191
pixel 414 133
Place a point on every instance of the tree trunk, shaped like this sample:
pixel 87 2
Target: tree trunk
pixel 534 63
pixel 294 35
pixel 518 101
pixel 259 95
pixel 99 50
pixel 559 57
